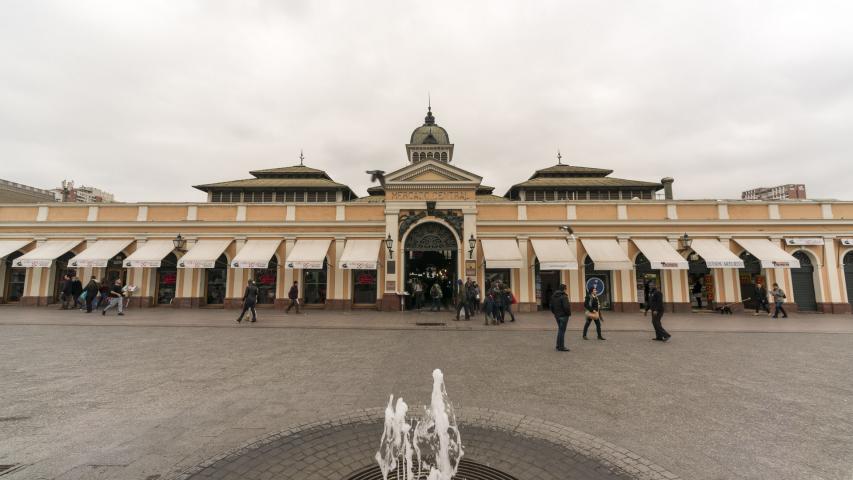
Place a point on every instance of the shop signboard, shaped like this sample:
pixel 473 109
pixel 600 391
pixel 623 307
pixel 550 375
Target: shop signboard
pixel 804 241
pixel 197 263
pixel 34 263
pixel 142 263
pixel 305 265
pixel 251 264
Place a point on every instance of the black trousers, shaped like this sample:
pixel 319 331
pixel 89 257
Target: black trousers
pixel 463 305
pixel 293 302
pixel 762 305
pixel 90 299
pixel 597 326
pixel 660 333
pixel 780 309
pixel 246 307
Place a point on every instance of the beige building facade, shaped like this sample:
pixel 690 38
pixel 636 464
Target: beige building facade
pixel 433 221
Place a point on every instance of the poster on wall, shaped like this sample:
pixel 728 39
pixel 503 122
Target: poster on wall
pixel 470 268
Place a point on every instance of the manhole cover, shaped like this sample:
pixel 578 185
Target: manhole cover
pixel 468 470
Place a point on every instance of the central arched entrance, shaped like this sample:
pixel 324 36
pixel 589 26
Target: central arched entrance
pixel 431 257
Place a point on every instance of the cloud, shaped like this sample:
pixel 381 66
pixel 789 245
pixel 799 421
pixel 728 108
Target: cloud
pixel 145 99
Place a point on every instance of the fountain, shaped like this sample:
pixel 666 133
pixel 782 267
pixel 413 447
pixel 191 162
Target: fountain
pixel 435 439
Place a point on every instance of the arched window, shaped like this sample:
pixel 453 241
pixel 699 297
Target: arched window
pixel 216 279
pixel 167 279
pixel 314 284
pixel 802 280
pixel 15 279
pixel 443 156
pixel 414 157
pixel 266 280
pixel 429 155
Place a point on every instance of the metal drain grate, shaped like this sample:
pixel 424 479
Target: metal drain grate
pixel 468 470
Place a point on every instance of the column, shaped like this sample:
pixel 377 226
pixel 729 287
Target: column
pixel 625 301
pixel 339 299
pixel 525 276
pixel 834 301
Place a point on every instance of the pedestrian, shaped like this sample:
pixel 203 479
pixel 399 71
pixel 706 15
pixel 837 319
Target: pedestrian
pixel 91 291
pixel 250 299
pixel 778 300
pixel 462 302
pixel 103 293
pixel 500 301
pixel 65 292
pixel 419 295
pixel 116 298
pixel 646 294
pixel 592 310
pixel 477 298
pixel 509 299
pixel 697 293
pixel 656 306
pixel 76 291
pixel 760 297
pixel 436 295
pixel 489 309
pixel 560 308
pixel 293 295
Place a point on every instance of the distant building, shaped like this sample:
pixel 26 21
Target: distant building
pixel 11 192
pixel 791 191
pixel 82 194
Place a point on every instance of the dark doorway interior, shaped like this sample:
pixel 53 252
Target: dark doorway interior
pixel 431 257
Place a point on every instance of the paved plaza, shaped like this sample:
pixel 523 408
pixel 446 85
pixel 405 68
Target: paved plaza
pixel 157 393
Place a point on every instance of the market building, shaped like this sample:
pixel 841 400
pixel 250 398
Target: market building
pixel 432 221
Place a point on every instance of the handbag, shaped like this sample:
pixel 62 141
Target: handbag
pixel 592 315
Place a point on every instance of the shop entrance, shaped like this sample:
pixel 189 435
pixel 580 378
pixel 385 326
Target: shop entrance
pixel 645 277
pixel 600 279
pixel 848 276
pixel 61 268
pixel 701 284
pixel 431 256
pixel 749 274
pixel 15 279
pixel 547 282
pixel 802 280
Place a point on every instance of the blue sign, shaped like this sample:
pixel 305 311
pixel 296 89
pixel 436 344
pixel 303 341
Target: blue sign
pixel 595 282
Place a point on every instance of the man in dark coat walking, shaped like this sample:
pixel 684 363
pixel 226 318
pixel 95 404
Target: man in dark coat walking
pixel 76 291
pixel 250 299
pixel 656 306
pixel 65 294
pixel 293 295
pixel 562 312
pixel 91 289
pixel 462 301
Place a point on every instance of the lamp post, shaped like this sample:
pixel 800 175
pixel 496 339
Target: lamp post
pixel 685 242
pixel 389 243
pixel 569 231
pixel 472 242
pixel 180 243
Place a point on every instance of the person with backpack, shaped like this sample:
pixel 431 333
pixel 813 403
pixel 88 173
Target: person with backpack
pixel 250 299
pixel 592 309
pixel 561 310
pixel 436 295
pixel 778 300
pixel 293 295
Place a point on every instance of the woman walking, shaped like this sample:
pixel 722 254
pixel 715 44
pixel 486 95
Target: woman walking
pixel 592 307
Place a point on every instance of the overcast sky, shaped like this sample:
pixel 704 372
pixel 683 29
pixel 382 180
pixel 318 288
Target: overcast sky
pixel 147 98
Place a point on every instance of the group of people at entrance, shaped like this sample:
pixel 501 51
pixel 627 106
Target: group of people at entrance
pixel 94 296
pixel 561 309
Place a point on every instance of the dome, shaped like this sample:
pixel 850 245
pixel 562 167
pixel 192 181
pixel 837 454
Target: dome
pixel 429 133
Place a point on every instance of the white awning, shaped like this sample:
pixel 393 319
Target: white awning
pixel 660 254
pixel 554 254
pixel 308 254
pixel 204 253
pixel 360 254
pixel 150 254
pixel 44 254
pixel 256 254
pixel 715 254
pixel 607 254
pixel 501 253
pixel 771 255
pixel 99 253
pixel 9 246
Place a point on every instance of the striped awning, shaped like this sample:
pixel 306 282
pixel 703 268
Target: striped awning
pixel 10 246
pixel 770 254
pixel 308 254
pixel 150 254
pixel 204 253
pixel 501 253
pixel 606 254
pixel 44 254
pixel 554 254
pixel 360 254
pixel 256 254
pixel 660 254
pixel 99 253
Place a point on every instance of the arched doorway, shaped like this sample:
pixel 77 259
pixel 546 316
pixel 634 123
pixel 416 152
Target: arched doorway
pixel 646 276
pixel 601 280
pixel 61 268
pixel 802 281
pixel 167 279
pixel 700 281
pixel 216 282
pixel 848 275
pixel 115 270
pixel 547 282
pixel 431 254
pixel 266 280
pixel 315 284
pixel 15 279
pixel 749 275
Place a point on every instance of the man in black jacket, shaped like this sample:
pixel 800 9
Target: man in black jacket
pixel 65 292
pixel 76 290
pixel 293 295
pixel 656 306
pixel 562 312
pixel 250 299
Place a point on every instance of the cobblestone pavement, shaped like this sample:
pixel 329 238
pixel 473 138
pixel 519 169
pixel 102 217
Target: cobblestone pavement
pixel 148 402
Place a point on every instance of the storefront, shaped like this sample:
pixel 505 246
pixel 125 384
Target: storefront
pixel 209 254
pixel 552 256
pixel 15 279
pixel 167 279
pixel 848 275
pixel 760 254
pixel 259 257
pixel 603 256
pixel 501 256
pixel 709 254
pixel 803 283
pixel 216 282
pixel 309 255
pixel 700 281
pixel 157 254
pixel 645 277
pixel 600 280
pixel 361 256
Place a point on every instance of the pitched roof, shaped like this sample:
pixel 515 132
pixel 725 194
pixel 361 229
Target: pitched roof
pixel 294 169
pixel 585 182
pixel 275 183
pixel 561 169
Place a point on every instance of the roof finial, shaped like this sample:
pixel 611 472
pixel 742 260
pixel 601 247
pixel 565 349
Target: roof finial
pixel 559 157
pixel 429 102
pixel 301 158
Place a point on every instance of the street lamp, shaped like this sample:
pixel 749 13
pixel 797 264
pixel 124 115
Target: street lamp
pixel 569 231
pixel 472 242
pixel 180 242
pixel 686 242
pixel 389 243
